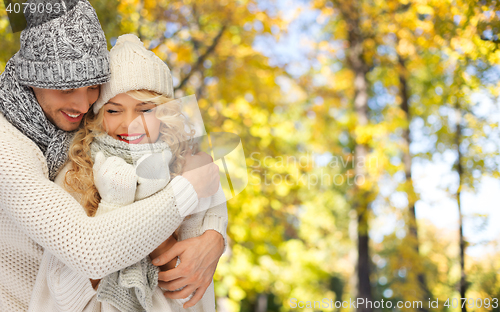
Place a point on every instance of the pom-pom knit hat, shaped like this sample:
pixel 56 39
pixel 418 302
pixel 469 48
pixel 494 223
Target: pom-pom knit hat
pixel 133 67
pixel 63 50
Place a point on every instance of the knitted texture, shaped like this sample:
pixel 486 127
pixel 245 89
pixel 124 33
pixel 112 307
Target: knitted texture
pixel 130 289
pixel 34 19
pixel 151 163
pixel 19 105
pixel 133 67
pixel 35 212
pixel 58 288
pixel 63 51
pixel 63 284
pixel 115 180
pixel 131 153
pixel 215 218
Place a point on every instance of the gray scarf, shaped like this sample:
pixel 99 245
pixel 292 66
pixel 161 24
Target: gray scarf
pixel 20 107
pixel 130 289
pixel 131 153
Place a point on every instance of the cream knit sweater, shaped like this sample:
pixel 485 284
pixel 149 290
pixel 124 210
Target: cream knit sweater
pixel 59 289
pixel 35 214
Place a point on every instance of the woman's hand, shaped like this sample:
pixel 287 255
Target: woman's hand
pixel 199 257
pixel 203 174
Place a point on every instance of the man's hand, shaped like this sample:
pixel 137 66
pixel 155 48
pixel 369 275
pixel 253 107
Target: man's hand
pixel 199 257
pixel 203 174
pixel 95 283
pixel 164 247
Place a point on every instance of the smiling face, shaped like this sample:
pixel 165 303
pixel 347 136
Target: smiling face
pixel 65 108
pixel 131 120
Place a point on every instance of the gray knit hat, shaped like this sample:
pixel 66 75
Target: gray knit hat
pixel 66 50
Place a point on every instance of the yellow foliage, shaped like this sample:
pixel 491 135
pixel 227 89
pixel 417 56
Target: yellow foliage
pixel 425 9
pixel 290 240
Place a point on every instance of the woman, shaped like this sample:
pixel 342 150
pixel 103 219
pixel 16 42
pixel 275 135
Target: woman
pixel 115 160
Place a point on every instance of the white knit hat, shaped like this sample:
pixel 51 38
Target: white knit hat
pixel 133 67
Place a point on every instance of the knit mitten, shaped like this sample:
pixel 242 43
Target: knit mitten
pixel 153 173
pixel 115 180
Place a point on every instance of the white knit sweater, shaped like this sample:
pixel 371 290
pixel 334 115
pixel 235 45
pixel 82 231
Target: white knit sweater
pixel 60 289
pixel 35 214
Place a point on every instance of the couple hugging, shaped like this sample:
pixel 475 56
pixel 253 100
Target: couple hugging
pixel 103 207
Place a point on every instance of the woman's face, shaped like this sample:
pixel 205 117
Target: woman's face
pixel 130 120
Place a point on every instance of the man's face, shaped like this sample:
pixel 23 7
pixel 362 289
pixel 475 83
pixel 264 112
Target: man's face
pixel 65 108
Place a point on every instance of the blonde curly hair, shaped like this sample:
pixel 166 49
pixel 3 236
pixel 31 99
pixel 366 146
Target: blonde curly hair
pixel 80 178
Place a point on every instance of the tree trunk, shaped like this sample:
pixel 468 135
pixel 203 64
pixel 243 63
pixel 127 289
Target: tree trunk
pixel 350 13
pixel 460 171
pixel 261 304
pixel 362 205
pixel 410 190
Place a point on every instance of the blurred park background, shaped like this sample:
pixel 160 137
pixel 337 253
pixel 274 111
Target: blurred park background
pixel 371 134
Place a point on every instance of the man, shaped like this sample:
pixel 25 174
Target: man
pixel 45 90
